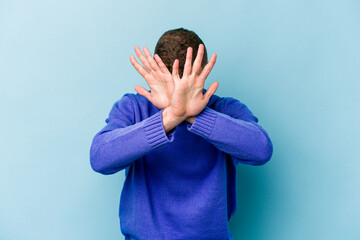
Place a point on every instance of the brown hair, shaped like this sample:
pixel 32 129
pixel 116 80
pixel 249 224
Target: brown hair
pixel 173 45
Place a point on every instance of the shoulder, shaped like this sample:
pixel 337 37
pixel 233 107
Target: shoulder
pixel 122 110
pixel 235 108
pixel 126 101
pixel 134 103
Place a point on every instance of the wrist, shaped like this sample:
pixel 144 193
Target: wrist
pixel 176 117
pixel 170 120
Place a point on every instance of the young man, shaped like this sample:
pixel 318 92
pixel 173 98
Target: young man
pixel 179 145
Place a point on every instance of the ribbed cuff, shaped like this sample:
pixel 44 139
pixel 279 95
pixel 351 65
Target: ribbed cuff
pixel 204 122
pixel 155 132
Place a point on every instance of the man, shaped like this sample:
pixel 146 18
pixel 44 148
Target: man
pixel 179 145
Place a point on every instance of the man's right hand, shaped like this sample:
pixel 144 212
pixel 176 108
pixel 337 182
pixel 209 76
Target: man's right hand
pixel 157 76
pixel 188 99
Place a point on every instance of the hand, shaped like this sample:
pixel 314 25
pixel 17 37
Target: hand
pixel 188 99
pixel 157 77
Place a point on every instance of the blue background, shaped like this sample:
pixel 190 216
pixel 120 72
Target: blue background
pixel 295 64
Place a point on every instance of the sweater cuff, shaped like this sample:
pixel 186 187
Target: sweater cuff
pixel 155 132
pixel 203 123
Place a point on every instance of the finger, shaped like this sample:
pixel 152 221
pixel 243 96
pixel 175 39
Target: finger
pixel 211 90
pixel 175 71
pixel 143 92
pixel 151 59
pixel 143 72
pixel 205 72
pixel 197 63
pixel 187 66
pixel 161 64
pixel 142 58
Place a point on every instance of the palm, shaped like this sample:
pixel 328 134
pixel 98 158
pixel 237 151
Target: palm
pixel 188 99
pixel 162 87
pixel 157 77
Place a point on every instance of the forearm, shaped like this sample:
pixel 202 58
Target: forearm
pixel 115 149
pixel 247 142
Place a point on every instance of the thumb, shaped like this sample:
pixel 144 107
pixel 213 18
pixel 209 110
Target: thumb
pixel 211 90
pixel 143 92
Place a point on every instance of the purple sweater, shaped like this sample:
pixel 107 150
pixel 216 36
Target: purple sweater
pixel 180 185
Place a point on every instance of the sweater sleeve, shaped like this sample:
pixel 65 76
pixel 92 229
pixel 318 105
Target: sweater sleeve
pixel 122 141
pixel 234 131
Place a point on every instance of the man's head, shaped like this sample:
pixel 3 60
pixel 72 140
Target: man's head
pixel 173 45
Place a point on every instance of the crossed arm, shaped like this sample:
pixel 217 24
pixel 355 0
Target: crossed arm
pixel 245 141
pixel 234 132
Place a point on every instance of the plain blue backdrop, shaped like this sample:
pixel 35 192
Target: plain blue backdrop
pixel 295 64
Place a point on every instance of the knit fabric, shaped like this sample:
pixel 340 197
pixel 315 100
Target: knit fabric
pixel 180 185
